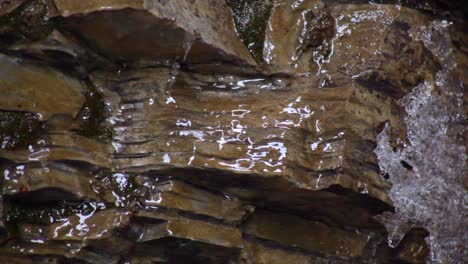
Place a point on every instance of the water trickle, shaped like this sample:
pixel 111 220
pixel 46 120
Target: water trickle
pixel 431 194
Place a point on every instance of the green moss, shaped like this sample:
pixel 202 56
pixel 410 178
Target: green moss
pixel 92 117
pixel 27 22
pixel 18 129
pixel 251 19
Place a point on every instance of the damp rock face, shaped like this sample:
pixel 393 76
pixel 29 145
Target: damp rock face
pixel 240 131
pixel 132 31
pixel 32 88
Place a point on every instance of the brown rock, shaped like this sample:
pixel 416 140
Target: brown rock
pixel 295 27
pixel 154 31
pixel 61 52
pixel 19 129
pixel 8 6
pixel 289 230
pixel 2 224
pixel 413 248
pixel 41 90
pixel 31 252
pixel 229 125
pixel 97 225
pixel 165 163
pixel 186 228
pixel 258 253
pixel 116 245
pixel 23 21
pixel 56 147
pixel 394 59
pixel 49 180
pixel 16 248
pixel 16 260
pixel 179 195
pixel 380 39
pixel 174 250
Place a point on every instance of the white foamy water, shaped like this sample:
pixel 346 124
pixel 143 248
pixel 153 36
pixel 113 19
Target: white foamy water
pixel 432 194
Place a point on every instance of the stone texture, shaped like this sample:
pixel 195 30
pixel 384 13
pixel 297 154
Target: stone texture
pixel 98 225
pixel 31 179
pixel 208 242
pixel 144 132
pixel 60 51
pixel 294 27
pixel 287 230
pixel 396 61
pixel 61 145
pixel 8 6
pixel 3 231
pixel 251 18
pixel 186 228
pixel 23 21
pixel 196 123
pixel 325 37
pixel 182 196
pixel 60 252
pixel 27 87
pixel 258 253
pixel 154 31
pixel 413 247
pixel 177 251
pixel 19 129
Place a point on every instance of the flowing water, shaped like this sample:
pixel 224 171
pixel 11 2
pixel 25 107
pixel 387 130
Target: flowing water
pixel 430 193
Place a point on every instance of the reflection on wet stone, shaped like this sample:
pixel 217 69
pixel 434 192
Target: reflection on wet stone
pixel 239 131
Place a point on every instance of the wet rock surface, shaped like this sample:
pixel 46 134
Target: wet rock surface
pixel 244 131
pixel 150 32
